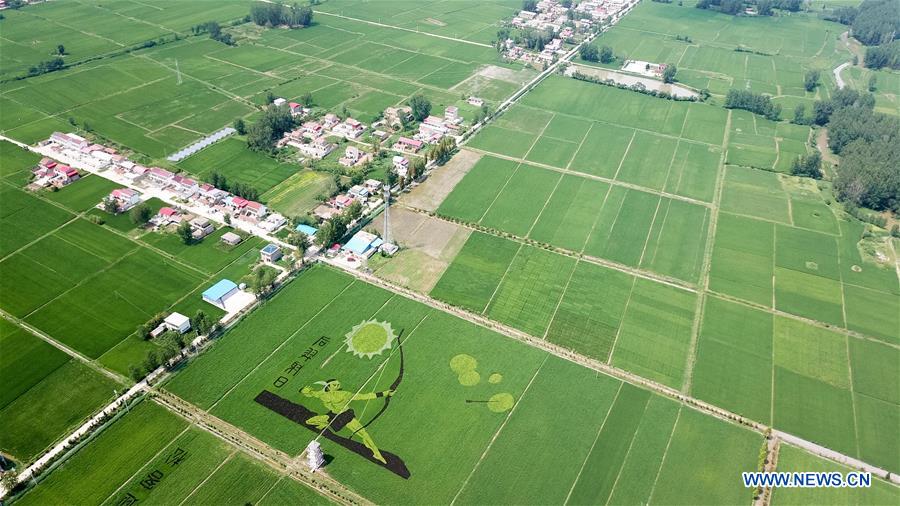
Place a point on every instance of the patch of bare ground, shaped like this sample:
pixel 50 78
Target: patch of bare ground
pixel 429 194
pixel 427 246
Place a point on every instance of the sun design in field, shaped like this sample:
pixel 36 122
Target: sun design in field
pixel 370 338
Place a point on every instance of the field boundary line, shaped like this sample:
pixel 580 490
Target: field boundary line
pixel 146 463
pixel 634 437
pixel 650 230
pixel 214 471
pixel 634 271
pixel 662 461
pixel 596 438
pixel 615 372
pixel 502 278
pixel 561 297
pixel 706 262
pixel 251 446
pixel 463 41
pixel 288 338
pixel 539 135
pixel 544 207
pixel 612 347
pixel 585 175
pixel 624 155
pixel 853 395
pixel 499 430
pixel 580 144
pixel 499 192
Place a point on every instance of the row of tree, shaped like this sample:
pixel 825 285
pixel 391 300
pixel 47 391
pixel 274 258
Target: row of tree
pixel 47 66
pixel 242 190
pixel 590 52
pixel 753 102
pixel 275 121
pixel 763 7
pixel 215 32
pixel 278 14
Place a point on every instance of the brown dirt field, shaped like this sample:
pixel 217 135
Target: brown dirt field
pixel 427 246
pixel 429 195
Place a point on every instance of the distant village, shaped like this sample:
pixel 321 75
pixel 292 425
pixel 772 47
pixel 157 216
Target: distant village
pixel 541 36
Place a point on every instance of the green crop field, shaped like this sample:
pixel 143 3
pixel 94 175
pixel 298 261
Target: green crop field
pixel 34 375
pixel 523 390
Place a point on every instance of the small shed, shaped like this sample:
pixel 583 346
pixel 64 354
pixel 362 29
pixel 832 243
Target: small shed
pixel 177 322
pixel 231 239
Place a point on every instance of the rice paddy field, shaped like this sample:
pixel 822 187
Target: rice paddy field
pixel 152 455
pixel 89 286
pixel 762 54
pixel 618 448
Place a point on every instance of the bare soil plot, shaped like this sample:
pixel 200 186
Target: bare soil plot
pixel 429 195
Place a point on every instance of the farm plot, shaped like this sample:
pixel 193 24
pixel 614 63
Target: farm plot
pixel 776 51
pixel 793 459
pixel 109 284
pixel 517 390
pixel 15 163
pixel 763 144
pixel 42 382
pixel 628 226
pixel 183 462
pixel 232 159
pixel 798 376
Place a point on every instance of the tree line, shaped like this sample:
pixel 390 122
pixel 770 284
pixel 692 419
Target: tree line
pixel 887 55
pixel 279 14
pixel 753 102
pixel 763 7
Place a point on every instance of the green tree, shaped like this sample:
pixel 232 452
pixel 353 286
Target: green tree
pixel 201 323
pixel 307 99
pixel 669 73
pixel 529 5
pixel 421 107
pixel 354 210
pixel 606 55
pixel 589 52
pixel 811 80
pixel 873 83
pixel 185 233
pixel 60 49
pixel 800 114
pixel 110 205
pixel 808 166
pixel 140 214
pixel 326 234
pixel 240 127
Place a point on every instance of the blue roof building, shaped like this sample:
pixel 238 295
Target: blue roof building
pixel 306 229
pixel 271 253
pixel 219 292
pixel 363 244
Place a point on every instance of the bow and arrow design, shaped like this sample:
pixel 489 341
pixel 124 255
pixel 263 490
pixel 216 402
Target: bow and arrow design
pixel 341 416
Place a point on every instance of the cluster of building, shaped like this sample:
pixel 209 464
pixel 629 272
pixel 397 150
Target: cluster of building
pixel 311 138
pixel 434 128
pixel 368 194
pixel 551 16
pixel 180 187
pixel 49 173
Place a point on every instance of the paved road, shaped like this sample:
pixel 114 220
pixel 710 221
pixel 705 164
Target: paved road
pixel 837 74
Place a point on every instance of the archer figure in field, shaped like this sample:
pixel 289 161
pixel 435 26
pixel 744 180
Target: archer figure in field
pixel 340 414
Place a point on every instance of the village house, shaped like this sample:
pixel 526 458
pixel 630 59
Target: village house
pixel 255 210
pixel 160 177
pixel 325 212
pixel 330 121
pixel 270 253
pixel 278 102
pixel 363 244
pixel 177 322
pixel 342 201
pixel 235 204
pixel 349 129
pixel 201 227
pixel 312 130
pixel 359 192
pixel 273 222
pixel 408 145
pixel 381 135
pixel 209 195
pixel 319 148
pixel 185 186
pixel 353 156
pixel 297 110
pixel 373 185
pixel 125 198
pixel 69 141
pixel 134 172
pixel 396 116
pixel 401 166
pixel 166 216
pixel 50 173
pixel 451 115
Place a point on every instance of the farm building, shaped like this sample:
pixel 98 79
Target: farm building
pixel 177 322
pixel 201 227
pixel 407 144
pixel 125 198
pixel 270 253
pixel 231 239
pixel 219 293
pixel 363 243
